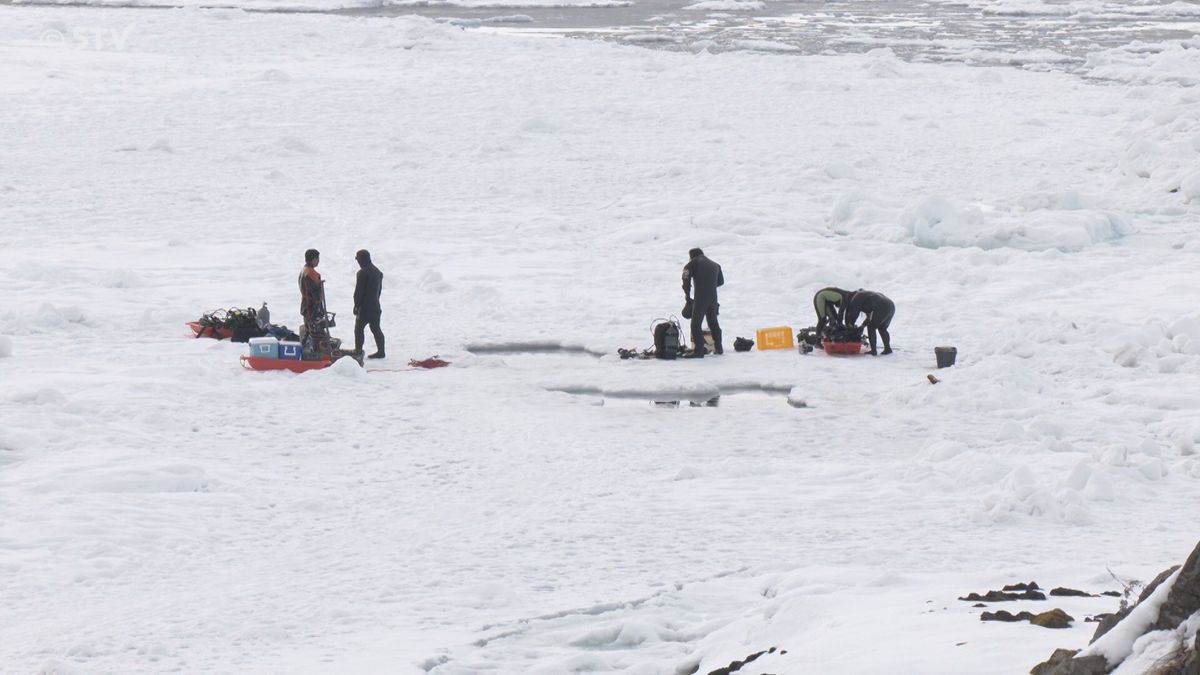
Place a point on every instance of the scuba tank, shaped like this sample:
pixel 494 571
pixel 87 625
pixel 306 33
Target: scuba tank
pixel 668 341
pixel 263 316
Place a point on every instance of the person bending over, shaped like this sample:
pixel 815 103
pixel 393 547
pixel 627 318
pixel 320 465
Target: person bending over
pixel 879 311
pixel 828 302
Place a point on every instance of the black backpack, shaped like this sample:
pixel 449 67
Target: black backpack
pixel 666 339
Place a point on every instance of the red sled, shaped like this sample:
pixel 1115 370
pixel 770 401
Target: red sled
pixel 841 348
pixel 294 365
pixel 209 331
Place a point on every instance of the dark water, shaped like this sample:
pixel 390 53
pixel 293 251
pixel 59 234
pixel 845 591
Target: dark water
pixel 918 31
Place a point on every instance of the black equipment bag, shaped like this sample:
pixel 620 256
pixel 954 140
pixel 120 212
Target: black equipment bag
pixel 809 336
pixel 666 340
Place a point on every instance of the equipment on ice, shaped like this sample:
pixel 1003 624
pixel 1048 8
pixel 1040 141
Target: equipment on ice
pixel 239 325
pixel 668 339
pixel 268 353
pixel 669 343
pixel 945 356
pixel 841 339
pixel 810 336
pixel 779 337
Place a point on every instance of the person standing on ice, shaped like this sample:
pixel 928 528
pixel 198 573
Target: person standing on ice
pixel 312 302
pixel 879 311
pixel 312 288
pixel 828 302
pixel 367 289
pixel 703 276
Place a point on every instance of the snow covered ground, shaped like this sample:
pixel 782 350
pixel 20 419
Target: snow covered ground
pixel 162 509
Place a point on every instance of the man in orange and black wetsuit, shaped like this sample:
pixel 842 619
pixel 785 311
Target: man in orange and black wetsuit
pixel 312 301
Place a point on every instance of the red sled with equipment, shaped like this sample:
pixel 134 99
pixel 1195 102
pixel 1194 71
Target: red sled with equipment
pixel 208 331
pixel 267 353
pixel 296 366
pixel 841 348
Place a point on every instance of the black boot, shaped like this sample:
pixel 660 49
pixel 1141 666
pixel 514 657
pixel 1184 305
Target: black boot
pixel 694 354
pixel 380 352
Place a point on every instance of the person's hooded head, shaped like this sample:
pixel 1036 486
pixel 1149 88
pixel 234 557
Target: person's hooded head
pixel 363 257
pixel 695 253
pixel 312 257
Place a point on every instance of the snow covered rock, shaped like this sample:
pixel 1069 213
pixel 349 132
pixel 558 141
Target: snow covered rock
pixel 1160 634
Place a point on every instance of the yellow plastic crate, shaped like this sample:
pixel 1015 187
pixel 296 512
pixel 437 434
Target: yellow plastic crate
pixel 779 337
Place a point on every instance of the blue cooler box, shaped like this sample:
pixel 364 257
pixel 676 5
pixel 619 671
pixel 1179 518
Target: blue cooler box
pixel 290 350
pixel 264 347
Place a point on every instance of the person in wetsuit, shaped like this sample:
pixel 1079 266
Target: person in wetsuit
pixel 828 302
pixel 312 303
pixel 701 277
pixel 367 289
pixel 879 311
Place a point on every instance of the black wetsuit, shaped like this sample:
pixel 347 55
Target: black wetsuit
pixel 367 311
pixel 701 277
pixel 879 310
pixel 828 302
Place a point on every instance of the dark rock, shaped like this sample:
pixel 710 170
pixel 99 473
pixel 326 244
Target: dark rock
pixel 1184 598
pixel 1003 615
pixel 1055 618
pixel 1070 592
pixel 1031 586
pixel 1107 623
pixel 1097 618
pixel 1002 596
pixel 1181 602
pixel 1192 665
pixel 979 604
pixel 1063 662
pixel 735 666
pixel 1112 594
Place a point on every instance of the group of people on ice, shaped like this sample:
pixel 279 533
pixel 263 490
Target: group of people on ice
pixel 368 288
pixel 835 307
pixel 701 279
